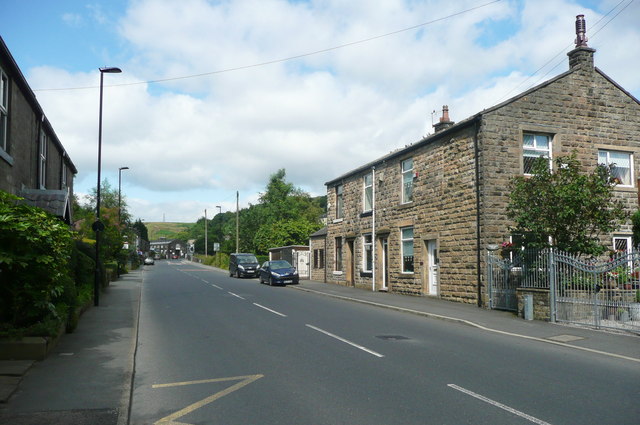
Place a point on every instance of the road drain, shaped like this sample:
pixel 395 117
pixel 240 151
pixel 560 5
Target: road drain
pixel 392 337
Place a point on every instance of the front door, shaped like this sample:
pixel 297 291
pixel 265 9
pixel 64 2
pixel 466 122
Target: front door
pixel 385 265
pixel 351 281
pixel 432 272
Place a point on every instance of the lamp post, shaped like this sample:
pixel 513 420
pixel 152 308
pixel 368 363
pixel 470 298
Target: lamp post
pixel 220 212
pixel 119 193
pixel 98 226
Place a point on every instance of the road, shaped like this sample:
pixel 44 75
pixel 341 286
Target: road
pixel 219 350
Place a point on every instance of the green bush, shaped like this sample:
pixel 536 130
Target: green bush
pixel 45 277
pixel 35 251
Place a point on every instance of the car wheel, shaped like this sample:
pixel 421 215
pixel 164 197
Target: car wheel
pixel 238 274
pixel 270 280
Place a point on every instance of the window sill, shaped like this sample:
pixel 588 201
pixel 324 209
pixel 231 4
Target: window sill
pixel 4 155
pixel 337 273
pixel 406 275
pixel 366 274
pixel 405 205
pixel 366 214
pixel 338 220
pixel 625 188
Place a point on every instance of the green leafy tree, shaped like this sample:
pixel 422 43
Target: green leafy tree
pixel 565 208
pixel 35 257
pixel 141 229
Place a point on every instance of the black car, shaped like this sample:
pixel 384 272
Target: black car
pixel 278 272
pixel 241 265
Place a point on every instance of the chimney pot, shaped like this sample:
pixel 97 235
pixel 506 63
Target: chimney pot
pixel 445 121
pixel 581 31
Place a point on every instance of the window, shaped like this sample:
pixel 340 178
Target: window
pixel 407 180
pixel 338 259
pixel 318 258
pixel 4 111
pixel 620 163
pixel 622 244
pixel 42 163
pixel 535 146
pixel 368 192
pixel 367 253
pixel 407 249
pixel 339 202
pixel 63 178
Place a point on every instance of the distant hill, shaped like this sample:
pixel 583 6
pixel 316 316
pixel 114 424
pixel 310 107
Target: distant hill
pixel 166 230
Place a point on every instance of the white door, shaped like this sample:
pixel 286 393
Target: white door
pixel 432 254
pixel 303 264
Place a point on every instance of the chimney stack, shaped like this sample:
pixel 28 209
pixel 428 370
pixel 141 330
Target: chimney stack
pixel 445 122
pixel 582 55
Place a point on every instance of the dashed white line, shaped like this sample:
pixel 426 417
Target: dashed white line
pixel 216 286
pixel 353 344
pixel 268 309
pixel 499 405
pixel 236 295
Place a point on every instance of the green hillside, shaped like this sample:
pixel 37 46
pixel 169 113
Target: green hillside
pixel 166 230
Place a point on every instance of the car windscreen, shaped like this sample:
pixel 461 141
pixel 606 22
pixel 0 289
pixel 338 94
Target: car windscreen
pixel 280 264
pixel 244 259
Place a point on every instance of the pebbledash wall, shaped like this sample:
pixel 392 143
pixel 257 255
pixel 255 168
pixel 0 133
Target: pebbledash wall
pixel 461 180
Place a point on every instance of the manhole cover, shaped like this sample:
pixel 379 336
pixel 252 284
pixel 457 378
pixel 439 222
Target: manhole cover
pixel 392 337
pixel 565 338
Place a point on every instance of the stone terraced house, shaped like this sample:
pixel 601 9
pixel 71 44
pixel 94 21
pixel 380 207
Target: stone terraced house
pixel 33 163
pixel 418 221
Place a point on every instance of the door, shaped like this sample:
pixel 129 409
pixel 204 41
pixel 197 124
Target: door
pixel 385 265
pixel 302 264
pixel 432 267
pixel 350 263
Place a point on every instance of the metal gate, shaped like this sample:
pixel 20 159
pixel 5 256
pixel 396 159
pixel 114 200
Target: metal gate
pixel 502 283
pixel 601 293
pixel 604 294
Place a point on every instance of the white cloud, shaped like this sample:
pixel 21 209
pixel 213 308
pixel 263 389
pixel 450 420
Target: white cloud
pixel 318 116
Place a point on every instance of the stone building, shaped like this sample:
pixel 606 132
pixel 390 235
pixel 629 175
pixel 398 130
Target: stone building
pixel 33 163
pixel 418 220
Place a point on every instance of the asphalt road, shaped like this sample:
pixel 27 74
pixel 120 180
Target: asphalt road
pixel 219 350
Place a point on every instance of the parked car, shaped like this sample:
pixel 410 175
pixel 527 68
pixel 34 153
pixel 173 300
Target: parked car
pixel 149 261
pixel 241 265
pixel 278 272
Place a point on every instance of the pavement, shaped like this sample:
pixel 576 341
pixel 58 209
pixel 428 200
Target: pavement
pixel 64 388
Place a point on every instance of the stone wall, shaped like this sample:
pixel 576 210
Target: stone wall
pixel 541 302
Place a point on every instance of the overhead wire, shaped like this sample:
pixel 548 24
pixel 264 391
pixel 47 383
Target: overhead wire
pixel 565 49
pixel 274 61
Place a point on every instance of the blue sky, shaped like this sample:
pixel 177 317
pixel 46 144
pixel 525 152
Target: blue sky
pixel 191 143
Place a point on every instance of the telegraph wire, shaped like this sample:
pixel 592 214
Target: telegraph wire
pixel 274 61
pixel 591 36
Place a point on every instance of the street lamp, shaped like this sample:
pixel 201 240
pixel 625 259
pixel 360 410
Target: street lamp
pixel 98 226
pixel 219 212
pixel 119 192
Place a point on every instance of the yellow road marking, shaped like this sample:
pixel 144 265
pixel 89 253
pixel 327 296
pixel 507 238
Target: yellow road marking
pixel 169 420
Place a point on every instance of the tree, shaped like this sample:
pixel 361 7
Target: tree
pixel 565 209
pixel 141 229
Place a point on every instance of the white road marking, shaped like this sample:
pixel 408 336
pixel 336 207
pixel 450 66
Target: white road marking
pixel 216 286
pixel 500 405
pixel 236 295
pixel 268 309
pixel 346 341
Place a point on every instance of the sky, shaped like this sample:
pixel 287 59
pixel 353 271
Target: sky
pixel 216 96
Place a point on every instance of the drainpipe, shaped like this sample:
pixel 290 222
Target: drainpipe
pixel 478 246
pixel 373 228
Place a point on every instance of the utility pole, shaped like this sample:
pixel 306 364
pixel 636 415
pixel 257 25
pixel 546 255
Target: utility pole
pixel 237 221
pixel 205 232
